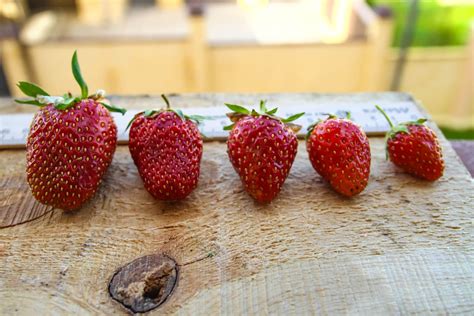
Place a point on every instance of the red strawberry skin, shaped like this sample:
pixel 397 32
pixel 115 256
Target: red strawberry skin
pixel 340 152
pixel 262 151
pixel 417 152
pixel 68 152
pixel 167 151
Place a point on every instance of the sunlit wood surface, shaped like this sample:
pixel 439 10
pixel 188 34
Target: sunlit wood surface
pixel 403 246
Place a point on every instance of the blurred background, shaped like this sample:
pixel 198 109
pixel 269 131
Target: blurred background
pixel 424 47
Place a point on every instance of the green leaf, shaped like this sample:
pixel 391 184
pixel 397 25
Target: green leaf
pixel 263 107
pixel 30 89
pixel 130 123
pixel 197 118
pixel 228 127
pixel 76 71
pixel 149 113
pixel 272 111
pixel 237 108
pixel 146 113
pixel 400 128
pixel 348 115
pixel 310 129
pixel 421 121
pixel 180 113
pixel 254 113
pixel 68 102
pixel 113 108
pixel 33 102
pixel 292 118
pixel 200 117
pixel 61 106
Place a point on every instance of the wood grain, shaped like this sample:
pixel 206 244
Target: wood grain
pixel 17 204
pixel 403 246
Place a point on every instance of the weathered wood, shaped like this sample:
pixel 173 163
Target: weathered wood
pixel 403 246
pixel 17 203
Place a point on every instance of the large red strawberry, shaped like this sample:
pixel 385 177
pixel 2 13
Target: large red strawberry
pixel 166 147
pixel 262 148
pixel 70 144
pixel 339 151
pixel 414 147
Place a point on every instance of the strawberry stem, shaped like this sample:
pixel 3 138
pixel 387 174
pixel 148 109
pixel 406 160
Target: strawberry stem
pixel 166 101
pixel 385 114
pixel 76 71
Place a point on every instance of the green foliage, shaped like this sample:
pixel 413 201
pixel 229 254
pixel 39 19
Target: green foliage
pixel 30 89
pixel 451 133
pixel 237 108
pixel 32 102
pixel 437 25
pixel 113 108
pixel 292 118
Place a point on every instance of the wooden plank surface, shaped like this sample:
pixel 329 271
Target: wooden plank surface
pixel 403 246
pixel 15 127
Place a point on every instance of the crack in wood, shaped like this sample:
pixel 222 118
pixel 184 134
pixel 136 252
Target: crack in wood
pixel 209 255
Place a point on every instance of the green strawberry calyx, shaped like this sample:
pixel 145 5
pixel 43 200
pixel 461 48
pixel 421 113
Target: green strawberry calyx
pixel 398 128
pixel 41 98
pixel 198 119
pixel 238 112
pixel 330 116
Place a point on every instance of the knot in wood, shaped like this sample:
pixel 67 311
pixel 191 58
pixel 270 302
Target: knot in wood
pixel 145 283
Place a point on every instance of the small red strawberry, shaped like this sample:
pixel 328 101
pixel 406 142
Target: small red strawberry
pixel 414 147
pixel 70 144
pixel 262 148
pixel 339 151
pixel 166 147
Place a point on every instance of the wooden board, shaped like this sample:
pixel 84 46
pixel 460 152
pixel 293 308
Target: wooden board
pixel 15 127
pixel 403 246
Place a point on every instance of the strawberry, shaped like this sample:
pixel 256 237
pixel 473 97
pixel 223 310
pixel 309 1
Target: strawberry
pixel 339 151
pixel 166 147
pixel 262 148
pixel 70 144
pixel 414 147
